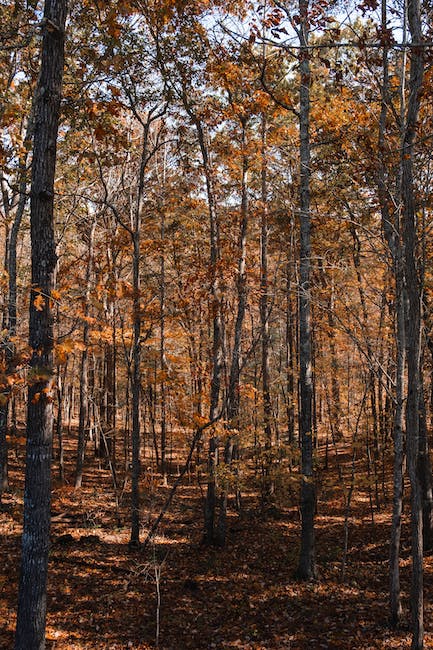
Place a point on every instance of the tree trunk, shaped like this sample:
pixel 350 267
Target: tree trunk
pixel 306 567
pixel 264 299
pixel 84 374
pixel 413 326
pixel 425 474
pixel 398 484
pixel 162 364
pixel 233 394
pixel 11 317
pixel 136 390
pixel 217 331
pixel 30 627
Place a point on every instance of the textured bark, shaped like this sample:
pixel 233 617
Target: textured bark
pixel 392 231
pixel 306 567
pixel 413 326
pixel 30 629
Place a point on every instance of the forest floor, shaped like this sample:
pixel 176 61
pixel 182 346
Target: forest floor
pixel 101 594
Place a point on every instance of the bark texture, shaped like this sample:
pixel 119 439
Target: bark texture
pixel 306 566
pixel 30 630
pixel 413 325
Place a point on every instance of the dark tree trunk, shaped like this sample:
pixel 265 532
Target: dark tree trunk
pixel 425 474
pixel 306 567
pixel 392 231
pixel 413 326
pixel 30 628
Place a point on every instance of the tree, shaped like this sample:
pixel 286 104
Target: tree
pixel 30 629
pixel 306 567
pixel 413 328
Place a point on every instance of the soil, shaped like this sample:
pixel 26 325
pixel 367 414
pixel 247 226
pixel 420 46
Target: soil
pixel 178 594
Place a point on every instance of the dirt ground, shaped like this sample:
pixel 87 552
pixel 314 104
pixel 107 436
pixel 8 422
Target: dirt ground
pixel 178 594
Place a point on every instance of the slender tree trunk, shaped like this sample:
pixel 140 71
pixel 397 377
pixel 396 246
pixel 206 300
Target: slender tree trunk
pixel 61 381
pixel 135 234
pixel 217 332
pixel 264 293
pixel 290 355
pixel 306 567
pixel 235 366
pixel 11 316
pixel 397 508
pixel 233 394
pixel 162 363
pixel 413 327
pixel 84 374
pixel 136 389
pixel 425 473
pixel 392 231
pixel 30 627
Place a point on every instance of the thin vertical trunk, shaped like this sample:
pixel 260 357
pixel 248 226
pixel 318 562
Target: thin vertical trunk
pixel 30 627
pixel 61 382
pixel 398 427
pixel 135 234
pixel 84 375
pixel 425 472
pixel 217 332
pixel 413 326
pixel 136 389
pixel 11 317
pixel 162 364
pixel 306 567
pixel 233 391
pixel 334 401
pixel 233 395
pixel 290 354
pixel 392 231
pixel 264 290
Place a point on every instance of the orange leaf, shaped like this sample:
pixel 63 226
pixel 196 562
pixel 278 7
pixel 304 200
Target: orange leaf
pixel 39 302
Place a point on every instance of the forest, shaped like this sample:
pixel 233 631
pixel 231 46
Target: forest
pixel 216 337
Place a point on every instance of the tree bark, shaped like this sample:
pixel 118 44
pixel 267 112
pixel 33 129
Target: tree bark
pixel 306 567
pixel 413 326
pixel 30 627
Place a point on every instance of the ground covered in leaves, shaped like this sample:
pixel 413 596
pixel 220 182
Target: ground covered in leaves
pixel 178 594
